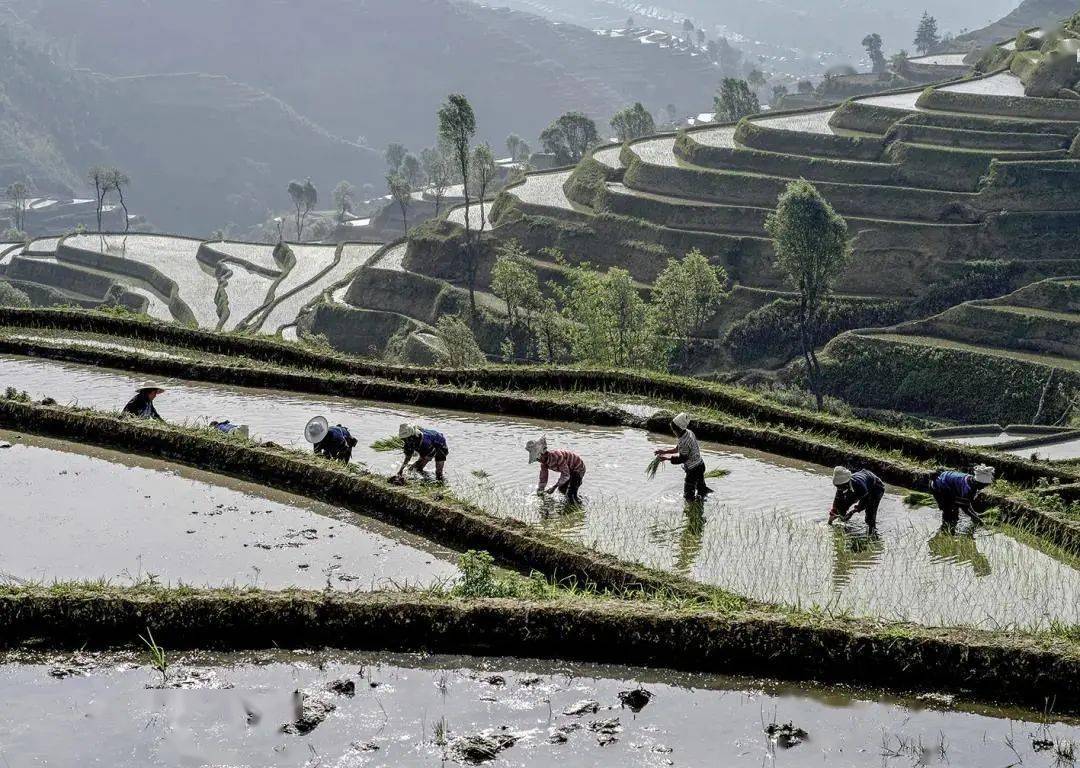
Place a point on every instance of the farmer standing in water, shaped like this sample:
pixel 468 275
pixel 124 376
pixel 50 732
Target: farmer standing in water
pixel 955 492
pixel 687 453
pixel 142 405
pixel 427 444
pixel 569 465
pixel 860 491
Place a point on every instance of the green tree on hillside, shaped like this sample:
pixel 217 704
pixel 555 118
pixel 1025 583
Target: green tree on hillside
pixel 514 280
pixel 735 100
pixel 517 147
pixel 633 123
pixel 459 346
pixel 685 297
pixel 401 192
pixel 412 170
pixel 872 44
pixel 898 60
pixel 482 178
pixel 778 93
pixel 10 296
pixel 19 195
pixel 457 126
pixel 344 193
pixel 304 197
pixel 439 173
pixel 394 154
pixel 812 251
pixel 756 78
pixel 805 87
pixel 926 36
pixel 570 137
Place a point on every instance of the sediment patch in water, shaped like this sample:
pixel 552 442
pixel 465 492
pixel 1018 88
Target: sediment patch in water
pixel 409 710
pixel 73 512
pixel 761 535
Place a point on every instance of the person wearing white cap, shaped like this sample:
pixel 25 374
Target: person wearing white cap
pixel 332 442
pixel 955 492
pixel 860 491
pixel 427 444
pixel 687 453
pixel 569 465
pixel 142 405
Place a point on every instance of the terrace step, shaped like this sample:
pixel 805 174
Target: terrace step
pixel 1049 361
pixel 1008 328
pixel 978 139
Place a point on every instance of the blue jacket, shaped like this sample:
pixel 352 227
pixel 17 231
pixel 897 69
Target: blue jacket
pixel 338 442
pixel 863 484
pixel 426 444
pixel 957 485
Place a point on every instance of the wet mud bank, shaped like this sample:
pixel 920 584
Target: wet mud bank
pixel 985 666
pixel 364 708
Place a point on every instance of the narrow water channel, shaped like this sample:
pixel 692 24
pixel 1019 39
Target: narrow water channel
pixel 409 710
pixel 763 533
pixel 74 512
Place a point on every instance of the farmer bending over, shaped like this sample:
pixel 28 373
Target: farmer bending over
pixel 955 492
pixel 426 444
pixel 332 442
pixel 142 405
pixel 568 464
pixel 687 453
pixel 856 492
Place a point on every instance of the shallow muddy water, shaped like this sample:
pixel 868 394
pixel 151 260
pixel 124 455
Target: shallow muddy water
pixel 410 710
pixel 762 534
pixel 73 512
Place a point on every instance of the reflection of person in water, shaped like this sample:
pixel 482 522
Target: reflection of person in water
pixel 959 549
pixel 852 553
pixel 690 537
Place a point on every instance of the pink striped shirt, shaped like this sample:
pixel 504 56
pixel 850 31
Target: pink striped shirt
pixel 566 463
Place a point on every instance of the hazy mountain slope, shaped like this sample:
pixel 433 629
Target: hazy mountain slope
pixel 1030 13
pixel 378 68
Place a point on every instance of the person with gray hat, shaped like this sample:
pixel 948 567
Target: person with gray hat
pixel 687 453
pixel 142 405
pixel 332 442
pixel 427 444
pixel 860 491
pixel 955 492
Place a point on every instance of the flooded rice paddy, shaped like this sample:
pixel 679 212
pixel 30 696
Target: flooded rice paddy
pixel 368 709
pixel 73 512
pixel 762 534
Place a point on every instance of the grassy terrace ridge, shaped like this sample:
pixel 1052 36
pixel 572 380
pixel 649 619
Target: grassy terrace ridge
pixel 1006 668
pixel 626 614
pixel 727 420
pixel 1012 354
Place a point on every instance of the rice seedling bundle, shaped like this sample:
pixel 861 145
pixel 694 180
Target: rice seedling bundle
pixel 394 443
pixel 654 465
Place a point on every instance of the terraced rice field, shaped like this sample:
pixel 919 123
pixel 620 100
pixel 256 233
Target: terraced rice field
pixel 457 216
pixel 1001 84
pixel 286 312
pixel 544 189
pixel 763 534
pixel 172 257
pixel 609 156
pixel 658 151
pixel 247 290
pixel 392 258
pixel 941 59
pixel 933 341
pixel 259 254
pixel 42 245
pixel 78 513
pixel 904 101
pixel 806 122
pixel 720 136
pixel 413 710
pixel 302 284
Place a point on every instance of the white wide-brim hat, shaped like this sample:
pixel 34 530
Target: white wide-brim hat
pixel 841 476
pixel 536 449
pixel 148 385
pixel 984 474
pixel 682 421
pixel 316 430
pixel 405 431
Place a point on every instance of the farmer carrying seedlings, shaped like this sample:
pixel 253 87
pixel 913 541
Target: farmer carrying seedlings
pixel 569 465
pixel 955 492
pixel 427 444
pixel 687 453
pixel 856 492
pixel 332 442
pixel 142 405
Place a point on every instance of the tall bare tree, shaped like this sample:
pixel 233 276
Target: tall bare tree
pixel 483 177
pixel 304 197
pixel 401 191
pixel 343 199
pixel 99 176
pixel 117 180
pixel 437 168
pixel 19 194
